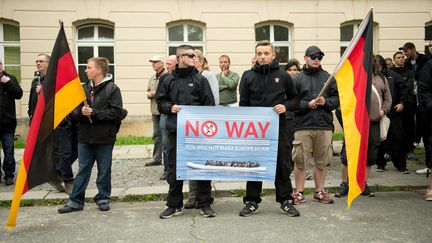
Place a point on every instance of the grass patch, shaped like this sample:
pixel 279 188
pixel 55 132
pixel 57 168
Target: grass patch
pixel 19 143
pixel 133 140
pixel 143 198
pixel 238 193
pixel 337 136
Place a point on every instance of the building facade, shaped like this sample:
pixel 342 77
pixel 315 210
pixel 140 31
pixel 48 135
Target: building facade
pixel 129 32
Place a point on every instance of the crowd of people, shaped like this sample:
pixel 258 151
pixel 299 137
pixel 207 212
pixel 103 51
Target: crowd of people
pixel 401 90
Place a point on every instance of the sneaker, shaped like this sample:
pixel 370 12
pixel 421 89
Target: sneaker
pixel 422 171
pixel 411 156
pixel 298 198
pixel 9 181
pixel 208 212
pixel 343 190
pixel 380 169
pixel 57 184
pixel 428 195
pixel 69 209
pixel 404 170
pixel 289 209
pixel 191 203
pixel 367 192
pixel 68 185
pixel 169 212
pixel 249 209
pixel 153 163
pixel 104 206
pixel 322 197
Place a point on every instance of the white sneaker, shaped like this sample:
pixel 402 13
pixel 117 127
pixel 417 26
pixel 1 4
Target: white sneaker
pixel 422 171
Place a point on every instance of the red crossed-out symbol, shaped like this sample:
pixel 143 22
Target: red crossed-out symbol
pixel 209 128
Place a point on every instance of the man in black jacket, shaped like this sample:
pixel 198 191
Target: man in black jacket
pixel 97 129
pixel 266 85
pixel 313 125
pixel 185 86
pixel 10 91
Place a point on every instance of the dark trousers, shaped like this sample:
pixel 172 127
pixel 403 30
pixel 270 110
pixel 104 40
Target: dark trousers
pixel 394 144
pixel 290 128
pixel 373 143
pixel 283 171
pixel 7 141
pixel 66 151
pixel 409 127
pixel 175 192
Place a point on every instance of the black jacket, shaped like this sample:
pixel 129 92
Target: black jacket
pixel 399 89
pixel 9 92
pixel 33 96
pixel 425 89
pixel 107 108
pixel 185 86
pixel 309 84
pixel 408 77
pixel 267 86
pixel 417 68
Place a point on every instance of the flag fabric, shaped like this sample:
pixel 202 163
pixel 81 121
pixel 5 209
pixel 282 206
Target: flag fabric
pixel 61 93
pixel 354 80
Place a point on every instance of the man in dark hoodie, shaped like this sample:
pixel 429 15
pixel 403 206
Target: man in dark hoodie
pixel 10 90
pixel 97 129
pixel 266 85
pixel 185 86
pixel 313 125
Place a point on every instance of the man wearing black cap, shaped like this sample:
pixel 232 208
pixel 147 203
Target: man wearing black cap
pixel 313 125
pixel 414 60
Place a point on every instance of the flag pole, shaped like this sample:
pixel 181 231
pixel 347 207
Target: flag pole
pixel 347 52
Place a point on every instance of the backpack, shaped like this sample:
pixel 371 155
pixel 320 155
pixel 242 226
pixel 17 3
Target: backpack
pixel 109 89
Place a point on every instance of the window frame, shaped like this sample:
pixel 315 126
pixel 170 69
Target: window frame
pixel 195 44
pixel 4 44
pixel 275 44
pixel 95 43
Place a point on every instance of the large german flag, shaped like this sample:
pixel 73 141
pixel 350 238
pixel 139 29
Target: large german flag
pixel 61 93
pixel 354 80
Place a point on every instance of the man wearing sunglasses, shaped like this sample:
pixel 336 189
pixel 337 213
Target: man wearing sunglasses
pixel 313 125
pixel 185 86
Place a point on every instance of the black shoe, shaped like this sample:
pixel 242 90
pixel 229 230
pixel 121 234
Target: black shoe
pixel 289 209
pixel 403 170
pixel 249 209
pixel 104 206
pixel 208 212
pixel 169 212
pixel 191 203
pixel 69 209
pixel 367 192
pixel 9 181
pixel 57 184
pixel 163 177
pixel 153 163
pixel 343 190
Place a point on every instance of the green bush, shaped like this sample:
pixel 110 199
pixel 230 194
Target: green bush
pixel 133 140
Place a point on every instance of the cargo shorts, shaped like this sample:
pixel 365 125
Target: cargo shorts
pixel 312 146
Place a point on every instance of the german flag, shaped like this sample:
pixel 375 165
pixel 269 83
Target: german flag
pixel 354 81
pixel 61 93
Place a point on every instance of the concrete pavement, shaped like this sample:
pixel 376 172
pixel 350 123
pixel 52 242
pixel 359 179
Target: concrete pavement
pixel 385 181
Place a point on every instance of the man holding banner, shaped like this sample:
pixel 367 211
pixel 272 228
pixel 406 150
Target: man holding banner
pixel 266 85
pixel 185 86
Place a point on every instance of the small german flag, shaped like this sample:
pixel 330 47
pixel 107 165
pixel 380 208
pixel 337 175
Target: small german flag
pixel 61 93
pixel 354 81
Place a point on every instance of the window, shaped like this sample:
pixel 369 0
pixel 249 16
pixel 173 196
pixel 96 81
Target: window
pixel 10 48
pixel 94 41
pixel 180 34
pixel 279 36
pixel 347 32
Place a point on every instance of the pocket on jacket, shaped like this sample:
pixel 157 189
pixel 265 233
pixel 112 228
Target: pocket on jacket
pixel 297 152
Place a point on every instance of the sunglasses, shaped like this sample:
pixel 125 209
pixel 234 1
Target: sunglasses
pixel 190 55
pixel 316 57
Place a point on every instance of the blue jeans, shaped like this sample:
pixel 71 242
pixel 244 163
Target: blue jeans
pixel 164 132
pixel 7 140
pixel 87 155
